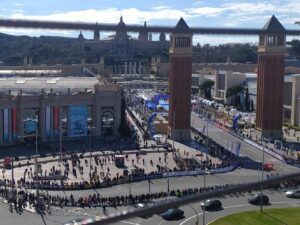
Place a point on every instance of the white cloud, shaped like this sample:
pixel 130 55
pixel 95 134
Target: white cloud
pixel 109 15
pixel 206 11
pixel 18 4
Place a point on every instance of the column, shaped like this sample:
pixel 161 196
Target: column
pixel 51 122
pixel 41 123
pixel 134 67
pixel 140 68
pixel 1 127
pixel 125 72
pixel 130 68
pixel 20 122
pixel 9 126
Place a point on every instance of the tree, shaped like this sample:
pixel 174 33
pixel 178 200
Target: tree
pixel 247 100
pixel 233 92
pixel 206 87
pixel 252 106
pixel 124 129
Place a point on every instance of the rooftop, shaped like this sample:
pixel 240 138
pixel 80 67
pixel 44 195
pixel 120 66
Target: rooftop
pixel 34 85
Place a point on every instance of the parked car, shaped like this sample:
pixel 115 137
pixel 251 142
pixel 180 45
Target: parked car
pixel 212 205
pixel 255 200
pixel 172 214
pixel 293 193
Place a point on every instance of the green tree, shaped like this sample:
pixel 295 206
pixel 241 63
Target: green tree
pixel 233 92
pixel 247 100
pixel 206 87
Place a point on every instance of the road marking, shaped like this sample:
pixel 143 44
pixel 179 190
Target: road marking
pixel 121 188
pixel 236 206
pixel 130 222
pixel 180 179
pixel 136 185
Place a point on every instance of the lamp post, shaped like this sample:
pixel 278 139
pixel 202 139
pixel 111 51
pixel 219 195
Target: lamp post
pixel 90 128
pixel 204 186
pixel 197 222
pixel 36 162
pixel 262 177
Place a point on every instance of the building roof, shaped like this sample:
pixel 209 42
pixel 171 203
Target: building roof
pixel 273 25
pixel 182 26
pixel 34 85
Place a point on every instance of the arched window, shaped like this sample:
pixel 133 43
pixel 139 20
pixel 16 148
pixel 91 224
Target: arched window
pixel 107 124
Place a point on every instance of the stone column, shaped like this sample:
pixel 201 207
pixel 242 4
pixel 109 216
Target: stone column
pixel 125 72
pixel 134 67
pixel 140 68
pixel 9 126
pixel 130 68
pixel 20 122
pixel 51 122
pixel 1 127
pixel 41 123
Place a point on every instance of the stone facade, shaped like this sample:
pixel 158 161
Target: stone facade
pixel 103 99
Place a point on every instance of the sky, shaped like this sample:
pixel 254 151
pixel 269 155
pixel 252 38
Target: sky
pixel 197 13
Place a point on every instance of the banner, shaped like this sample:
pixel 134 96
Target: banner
pixel 14 124
pixel 56 121
pixel 47 122
pixel 5 125
pixel 77 121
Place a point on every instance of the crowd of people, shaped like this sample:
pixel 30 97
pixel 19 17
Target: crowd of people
pixel 21 199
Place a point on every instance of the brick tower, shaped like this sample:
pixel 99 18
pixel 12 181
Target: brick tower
pixel 271 54
pixel 180 71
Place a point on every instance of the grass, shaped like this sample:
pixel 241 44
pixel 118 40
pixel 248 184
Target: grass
pixel 285 216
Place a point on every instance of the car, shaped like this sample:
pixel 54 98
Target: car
pixel 212 204
pixel 142 205
pixel 293 193
pixel 77 221
pixel 256 200
pixel 172 214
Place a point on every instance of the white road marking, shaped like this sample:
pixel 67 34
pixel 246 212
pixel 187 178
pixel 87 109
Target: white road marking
pixel 136 185
pixel 130 222
pixel 236 206
pixel 121 188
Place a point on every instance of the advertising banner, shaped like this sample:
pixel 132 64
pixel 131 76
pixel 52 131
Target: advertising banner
pixel 47 121
pixel 77 120
pixel 55 121
pixel 14 123
pixel 5 125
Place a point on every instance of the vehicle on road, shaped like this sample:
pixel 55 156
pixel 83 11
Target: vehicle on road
pixel 172 214
pixel 77 221
pixel 293 193
pixel 142 205
pixel 256 200
pixel 212 204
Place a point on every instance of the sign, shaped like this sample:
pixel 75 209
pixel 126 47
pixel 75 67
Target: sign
pixel 77 120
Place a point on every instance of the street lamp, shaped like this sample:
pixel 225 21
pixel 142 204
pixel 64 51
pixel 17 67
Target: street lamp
pixel 204 186
pixel 36 162
pixel 197 222
pixel 90 128
pixel 262 176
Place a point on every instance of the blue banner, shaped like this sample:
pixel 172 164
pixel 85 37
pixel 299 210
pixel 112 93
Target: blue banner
pixel 77 120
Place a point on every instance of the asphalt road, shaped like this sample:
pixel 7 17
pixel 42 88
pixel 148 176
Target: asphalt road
pixel 231 204
pixel 224 138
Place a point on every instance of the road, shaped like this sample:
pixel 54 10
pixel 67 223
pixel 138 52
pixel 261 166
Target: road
pixel 231 204
pixel 224 138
